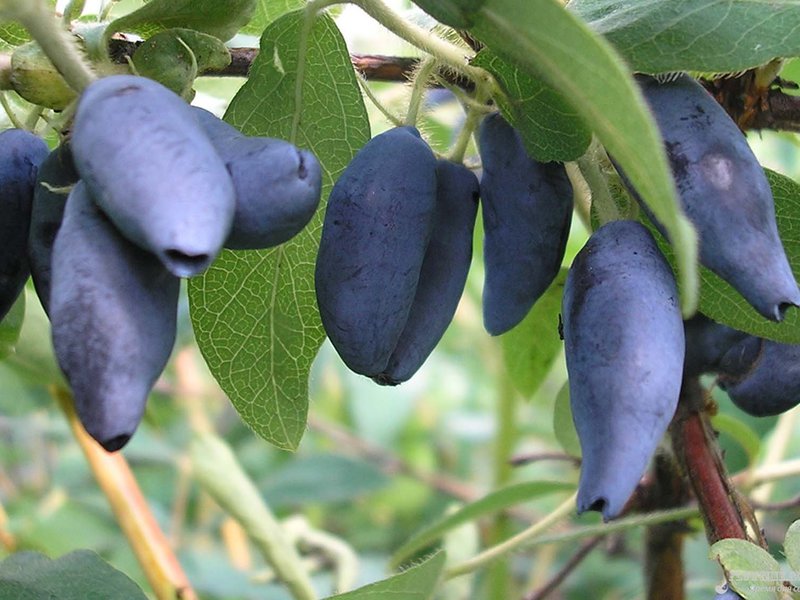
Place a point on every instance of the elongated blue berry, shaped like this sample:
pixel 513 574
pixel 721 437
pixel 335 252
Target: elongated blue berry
pixel 21 152
pixel 443 273
pixel 113 311
pixel 624 346
pixel 527 211
pixel 377 226
pixel 152 169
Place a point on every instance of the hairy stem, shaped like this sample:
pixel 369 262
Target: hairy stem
pixel 418 90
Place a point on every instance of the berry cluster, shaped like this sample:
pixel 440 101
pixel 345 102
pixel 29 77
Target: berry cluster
pixel 156 190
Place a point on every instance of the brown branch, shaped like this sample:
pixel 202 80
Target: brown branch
pixel 374 67
pixel 695 445
pixel 576 559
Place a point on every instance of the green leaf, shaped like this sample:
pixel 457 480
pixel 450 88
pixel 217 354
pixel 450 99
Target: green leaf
pixel 563 425
pixel 220 19
pixel 268 11
pixel 550 128
pixel 12 34
pixel 489 504
pixel 455 13
pixel 750 569
pixel 791 546
pixel 79 575
pixel 175 57
pixel 551 43
pixel 740 432
pixel 254 313
pixel 722 303
pixel 11 325
pixel 531 347
pixel 416 583
pixel 695 35
pixel 33 359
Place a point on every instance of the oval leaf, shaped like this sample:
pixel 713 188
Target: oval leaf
pixel 175 57
pixel 548 41
pixel 254 313
pixel 750 569
pixel 416 583
pixel 10 326
pixel 268 11
pixel 676 36
pixel 75 576
pixel 531 347
pixel 791 546
pixel 549 126
pixel 220 19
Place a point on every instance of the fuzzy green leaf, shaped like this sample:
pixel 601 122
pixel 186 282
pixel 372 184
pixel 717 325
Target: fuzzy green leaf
pixel 267 11
pixel 549 42
pixel 254 313
pixel 550 128
pixel 175 57
pixel 718 36
pixel 75 576
pixel 750 569
pixel 416 583
pixel 220 19
pixel 530 348
pixel 11 325
pixel 791 546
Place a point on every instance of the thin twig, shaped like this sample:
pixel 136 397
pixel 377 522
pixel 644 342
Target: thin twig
pixel 557 579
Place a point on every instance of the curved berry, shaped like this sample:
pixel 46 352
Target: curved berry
pixel 377 226
pixel 277 185
pixel 57 171
pixel 624 345
pixel 21 152
pixel 527 212
pixel 443 273
pixel 150 166
pixel 725 194
pixel 113 310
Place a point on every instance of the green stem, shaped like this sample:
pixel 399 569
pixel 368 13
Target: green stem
pixel 12 116
pixel 58 44
pixel 498 576
pixel 418 90
pixel 474 114
pixel 603 203
pixel 221 475
pixel 530 538
pixel 565 509
pixel 396 121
